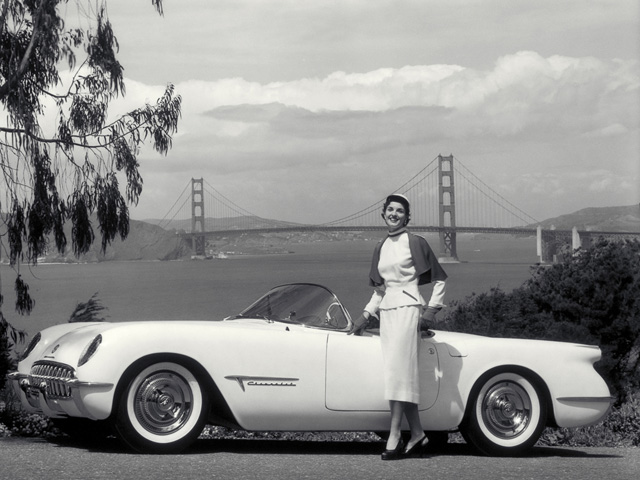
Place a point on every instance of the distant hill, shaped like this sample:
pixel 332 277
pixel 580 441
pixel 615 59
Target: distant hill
pixel 252 243
pixel 602 219
pixel 145 242
pixel 149 242
pixel 231 223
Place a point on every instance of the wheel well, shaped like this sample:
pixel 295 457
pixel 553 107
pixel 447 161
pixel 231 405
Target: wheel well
pixel 530 375
pixel 219 410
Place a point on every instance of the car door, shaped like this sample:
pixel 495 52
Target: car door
pixel 354 378
pixel 273 378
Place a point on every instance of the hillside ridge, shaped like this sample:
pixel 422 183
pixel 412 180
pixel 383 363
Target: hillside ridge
pixel 600 219
pixel 149 242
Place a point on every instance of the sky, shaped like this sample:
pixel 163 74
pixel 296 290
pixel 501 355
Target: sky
pixel 310 110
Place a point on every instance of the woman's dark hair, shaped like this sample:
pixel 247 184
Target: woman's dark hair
pixel 402 200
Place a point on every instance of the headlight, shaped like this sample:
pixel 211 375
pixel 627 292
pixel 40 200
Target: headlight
pixel 90 350
pixel 32 344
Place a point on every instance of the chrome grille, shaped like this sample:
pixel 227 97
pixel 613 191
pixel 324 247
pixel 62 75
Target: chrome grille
pixel 51 378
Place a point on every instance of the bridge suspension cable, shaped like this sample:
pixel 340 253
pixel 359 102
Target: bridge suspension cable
pixel 226 214
pixel 370 215
pixel 166 221
pixel 476 205
pixel 495 211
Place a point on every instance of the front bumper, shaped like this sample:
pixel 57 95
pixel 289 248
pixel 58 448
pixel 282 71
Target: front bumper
pixel 52 389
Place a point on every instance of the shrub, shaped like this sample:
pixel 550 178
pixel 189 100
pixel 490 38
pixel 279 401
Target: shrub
pixel 595 295
pixel 23 424
pixel 16 422
pixel 591 297
pixel 7 363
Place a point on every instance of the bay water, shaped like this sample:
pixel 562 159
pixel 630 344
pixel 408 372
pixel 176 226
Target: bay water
pixel 214 289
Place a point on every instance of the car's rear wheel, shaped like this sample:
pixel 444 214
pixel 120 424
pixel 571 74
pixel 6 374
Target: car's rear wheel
pixel 162 408
pixel 507 412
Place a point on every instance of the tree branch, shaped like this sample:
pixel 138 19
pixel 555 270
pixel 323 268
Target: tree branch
pixel 24 63
pixel 20 131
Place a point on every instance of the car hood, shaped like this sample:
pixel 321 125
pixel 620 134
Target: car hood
pixel 65 343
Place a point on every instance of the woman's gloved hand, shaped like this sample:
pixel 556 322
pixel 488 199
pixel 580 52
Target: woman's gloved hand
pixel 359 324
pixel 428 318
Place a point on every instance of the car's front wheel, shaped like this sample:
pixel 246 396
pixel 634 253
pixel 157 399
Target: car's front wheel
pixel 506 414
pixel 162 408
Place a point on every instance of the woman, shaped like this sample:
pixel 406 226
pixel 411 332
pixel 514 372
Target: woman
pixel 401 262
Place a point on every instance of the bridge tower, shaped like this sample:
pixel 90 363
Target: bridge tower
pixel 447 208
pixel 198 242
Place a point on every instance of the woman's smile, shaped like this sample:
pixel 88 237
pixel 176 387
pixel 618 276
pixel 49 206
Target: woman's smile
pixel 395 216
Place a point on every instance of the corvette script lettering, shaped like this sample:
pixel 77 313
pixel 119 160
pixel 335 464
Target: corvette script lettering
pixel 271 384
pixel 263 381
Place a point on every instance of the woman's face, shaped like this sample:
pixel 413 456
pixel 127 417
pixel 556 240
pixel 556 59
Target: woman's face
pixel 395 216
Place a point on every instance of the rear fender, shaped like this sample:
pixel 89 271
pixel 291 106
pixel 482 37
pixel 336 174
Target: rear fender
pixel 530 375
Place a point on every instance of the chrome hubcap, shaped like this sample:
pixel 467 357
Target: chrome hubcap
pixel 163 402
pixel 506 409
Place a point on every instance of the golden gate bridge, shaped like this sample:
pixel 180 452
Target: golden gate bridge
pixel 446 197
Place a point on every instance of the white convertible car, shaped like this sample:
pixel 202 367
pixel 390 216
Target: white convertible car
pixel 286 363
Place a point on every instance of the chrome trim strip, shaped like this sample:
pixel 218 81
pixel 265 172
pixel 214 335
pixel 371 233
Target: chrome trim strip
pixel 609 399
pixel 75 383
pixel 70 382
pixel 262 381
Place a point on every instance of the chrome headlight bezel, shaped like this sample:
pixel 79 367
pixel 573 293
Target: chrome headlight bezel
pixel 30 347
pixel 90 350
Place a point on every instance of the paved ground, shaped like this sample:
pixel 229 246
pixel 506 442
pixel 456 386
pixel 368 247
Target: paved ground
pixel 28 459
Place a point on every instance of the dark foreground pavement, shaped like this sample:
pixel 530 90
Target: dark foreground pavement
pixel 27 459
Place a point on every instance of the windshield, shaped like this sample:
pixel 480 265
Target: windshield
pixel 301 303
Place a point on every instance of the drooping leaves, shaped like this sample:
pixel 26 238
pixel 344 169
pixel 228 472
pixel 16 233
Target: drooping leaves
pixel 24 302
pixel 112 210
pixel 82 235
pixel 70 170
pixel 89 311
pixel 16 230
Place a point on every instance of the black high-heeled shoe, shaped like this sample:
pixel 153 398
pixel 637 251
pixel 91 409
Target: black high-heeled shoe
pixel 417 447
pixel 394 454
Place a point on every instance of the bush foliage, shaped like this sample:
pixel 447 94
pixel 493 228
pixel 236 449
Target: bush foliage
pixel 6 362
pixel 592 296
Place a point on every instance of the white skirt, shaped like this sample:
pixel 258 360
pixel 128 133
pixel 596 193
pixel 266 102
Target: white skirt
pixel 400 342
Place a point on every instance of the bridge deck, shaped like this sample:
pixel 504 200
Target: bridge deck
pixel 414 228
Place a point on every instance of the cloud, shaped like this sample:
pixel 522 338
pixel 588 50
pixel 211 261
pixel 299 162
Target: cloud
pixel 524 95
pixel 530 118
pixel 520 90
pixel 608 131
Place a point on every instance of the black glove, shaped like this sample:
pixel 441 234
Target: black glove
pixel 428 318
pixel 358 325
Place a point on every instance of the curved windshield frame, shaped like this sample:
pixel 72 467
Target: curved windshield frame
pixel 305 304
